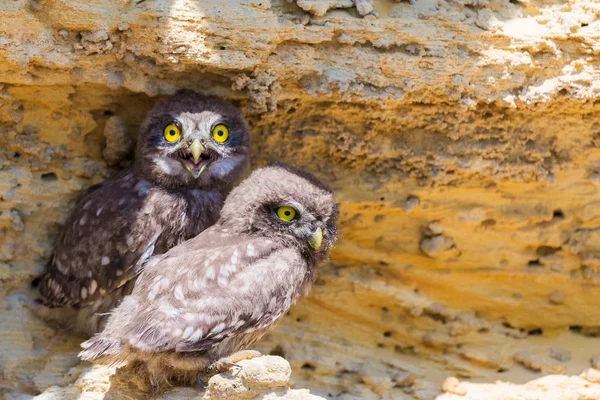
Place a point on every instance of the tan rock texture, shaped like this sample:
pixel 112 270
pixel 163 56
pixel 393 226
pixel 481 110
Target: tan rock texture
pixel 551 387
pixel 263 378
pixel 462 138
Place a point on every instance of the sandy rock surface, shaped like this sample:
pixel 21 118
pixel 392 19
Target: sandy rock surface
pixel 461 136
pixel 260 378
pixel 551 387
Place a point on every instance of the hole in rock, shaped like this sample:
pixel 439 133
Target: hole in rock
pixel 544 251
pixel 308 367
pixel 49 177
pixel 278 351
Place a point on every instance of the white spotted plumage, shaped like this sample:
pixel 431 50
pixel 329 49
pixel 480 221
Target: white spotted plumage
pixel 224 289
pixel 144 210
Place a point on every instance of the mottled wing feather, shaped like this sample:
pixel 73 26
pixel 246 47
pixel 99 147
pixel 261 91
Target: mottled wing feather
pixel 98 247
pixel 206 290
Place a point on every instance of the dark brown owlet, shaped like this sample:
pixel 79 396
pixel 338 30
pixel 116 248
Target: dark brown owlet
pixel 218 293
pixel 191 151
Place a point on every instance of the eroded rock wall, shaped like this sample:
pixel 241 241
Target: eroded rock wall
pixel 462 138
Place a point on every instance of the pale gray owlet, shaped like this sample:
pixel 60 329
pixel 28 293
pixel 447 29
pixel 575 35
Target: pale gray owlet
pixel 218 293
pixel 191 151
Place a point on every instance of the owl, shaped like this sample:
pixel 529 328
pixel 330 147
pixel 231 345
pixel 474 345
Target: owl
pixel 191 151
pixel 195 309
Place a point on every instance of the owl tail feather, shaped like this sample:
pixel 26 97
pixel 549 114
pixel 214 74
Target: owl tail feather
pixel 99 347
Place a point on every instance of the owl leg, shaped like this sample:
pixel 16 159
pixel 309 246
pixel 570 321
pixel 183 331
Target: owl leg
pixel 227 363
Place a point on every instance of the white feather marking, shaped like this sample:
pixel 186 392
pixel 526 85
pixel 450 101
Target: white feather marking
pixel 217 329
pixel 152 294
pixel 105 260
pixel 82 220
pixel 222 281
pixel 60 266
pixel 196 336
pixel 168 167
pixel 179 293
pixel 147 253
pixel 164 283
pixel 93 287
pixel 119 272
pixel 98 211
pixel 188 332
pixel 210 273
pixel 250 252
pixel 239 323
pixel 177 332
pixel 129 241
pixel 235 257
pixel 84 293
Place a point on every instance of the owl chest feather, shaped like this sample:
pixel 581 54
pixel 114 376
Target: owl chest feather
pixel 181 215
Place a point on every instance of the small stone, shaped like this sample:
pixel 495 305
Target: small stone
pixel 63 33
pixel 35 5
pixel 94 37
pixel 404 380
pixel 528 360
pixel 266 371
pixel 435 228
pixel 123 26
pixel 452 385
pixel 410 203
pixel 591 375
pixel 17 220
pixel 559 354
pixel 556 297
pixel 439 246
pixel 436 340
pixel 364 7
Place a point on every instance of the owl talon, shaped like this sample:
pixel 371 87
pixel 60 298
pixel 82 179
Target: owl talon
pixel 202 385
pixel 154 384
pixel 225 364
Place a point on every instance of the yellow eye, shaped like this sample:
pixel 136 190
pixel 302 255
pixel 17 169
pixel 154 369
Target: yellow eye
pixel 171 133
pixel 220 133
pixel 286 213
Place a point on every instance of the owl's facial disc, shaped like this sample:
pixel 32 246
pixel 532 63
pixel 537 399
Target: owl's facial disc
pixel 196 158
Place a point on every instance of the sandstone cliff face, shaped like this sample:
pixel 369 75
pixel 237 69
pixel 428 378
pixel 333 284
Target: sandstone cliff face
pixel 462 138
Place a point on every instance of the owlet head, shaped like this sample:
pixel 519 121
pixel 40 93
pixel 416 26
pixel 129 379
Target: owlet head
pixel 287 204
pixel 190 140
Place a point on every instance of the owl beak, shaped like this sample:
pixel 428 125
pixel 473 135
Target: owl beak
pixel 196 149
pixel 316 239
